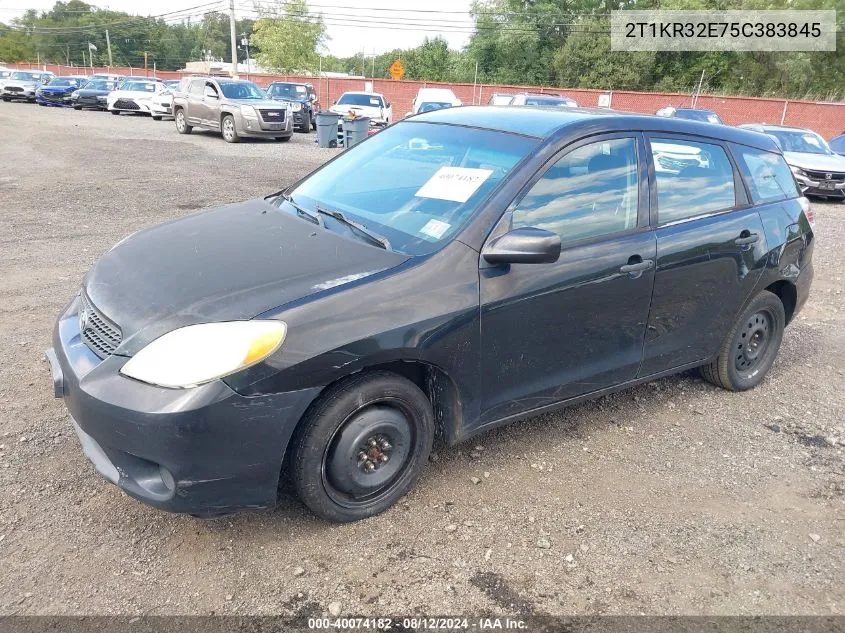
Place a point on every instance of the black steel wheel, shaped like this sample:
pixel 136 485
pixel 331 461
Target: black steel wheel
pixel 362 446
pixel 751 346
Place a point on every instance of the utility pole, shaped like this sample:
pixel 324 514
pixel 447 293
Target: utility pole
pixel 108 45
pixel 67 54
pixel 146 74
pixel 245 42
pixel 233 36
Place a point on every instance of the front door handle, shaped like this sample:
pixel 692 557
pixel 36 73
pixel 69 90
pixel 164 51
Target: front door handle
pixel 636 266
pixel 746 238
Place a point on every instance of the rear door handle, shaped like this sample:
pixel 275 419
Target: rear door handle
pixel 746 238
pixel 634 268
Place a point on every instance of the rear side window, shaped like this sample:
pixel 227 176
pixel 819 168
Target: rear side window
pixel 197 87
pixel 767 174
pixel 591 191
pixel 692 179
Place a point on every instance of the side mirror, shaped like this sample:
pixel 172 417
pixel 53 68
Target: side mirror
pixel 210 93
pixel 526 245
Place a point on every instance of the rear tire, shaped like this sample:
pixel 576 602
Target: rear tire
pixel 117 112
pixel 182 123
pixel 156 117
pixel 77 107
pixel 361 446
pixel 751 346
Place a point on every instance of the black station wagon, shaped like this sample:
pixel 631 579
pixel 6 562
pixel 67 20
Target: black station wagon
pixel 461 269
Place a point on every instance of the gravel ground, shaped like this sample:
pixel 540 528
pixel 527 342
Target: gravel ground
pixel 671 498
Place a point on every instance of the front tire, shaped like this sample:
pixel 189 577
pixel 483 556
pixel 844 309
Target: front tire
pixel 227 128
pixel 156 117
pixel 117 112
pixel 751 346
pixel 77 107
pixel 182 123
pixel 361 446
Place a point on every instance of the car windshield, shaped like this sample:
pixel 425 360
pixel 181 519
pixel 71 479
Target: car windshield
pixel 64 81
pixel 547 101
pixel 806 142
pixel 24 76
pixel 705 116
pixel 414 183
pixel 428 106
pixel 357 99
pixel 291 91
pixel 171 83
pixel 241 90
pixel 138 86
pixel 100 84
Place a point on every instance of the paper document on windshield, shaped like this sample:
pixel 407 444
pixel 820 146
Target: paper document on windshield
pixel 454 183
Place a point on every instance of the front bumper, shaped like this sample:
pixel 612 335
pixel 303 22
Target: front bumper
pixel 206 450
pixel 58 103
pixel 26 94
pixel 257 127
pixel 89 102
pixel 812 187
pixel 142 107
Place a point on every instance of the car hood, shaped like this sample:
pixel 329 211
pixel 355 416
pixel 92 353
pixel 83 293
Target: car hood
pixel 816 162
pixel 255 103
pixel 231 263
pixel 91 92
pixel 58 88
pixel 374 112
pixel 131 94
pixel 21 83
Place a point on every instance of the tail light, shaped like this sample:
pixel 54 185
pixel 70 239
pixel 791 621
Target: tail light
pixel 808 211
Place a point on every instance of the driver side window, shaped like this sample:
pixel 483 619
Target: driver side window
pixel 591 191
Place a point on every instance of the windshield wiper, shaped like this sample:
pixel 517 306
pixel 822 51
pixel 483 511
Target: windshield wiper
pixel 302 212
pixel 374 237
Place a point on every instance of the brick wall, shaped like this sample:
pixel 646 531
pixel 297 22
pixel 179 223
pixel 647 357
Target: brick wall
pixel 828 119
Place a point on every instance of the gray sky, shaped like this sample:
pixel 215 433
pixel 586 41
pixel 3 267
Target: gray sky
pixel 380 25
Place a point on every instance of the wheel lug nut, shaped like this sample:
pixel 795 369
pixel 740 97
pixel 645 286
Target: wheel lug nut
pixel 384 458
pixel 369 467
pixel 371 442
pixel 385 445
pixel 362 456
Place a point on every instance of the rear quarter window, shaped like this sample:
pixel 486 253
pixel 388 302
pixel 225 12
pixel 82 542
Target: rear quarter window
pixel 767 175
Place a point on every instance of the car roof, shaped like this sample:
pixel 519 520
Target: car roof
pixel 772 127
pixel 362 92
pixel 544 123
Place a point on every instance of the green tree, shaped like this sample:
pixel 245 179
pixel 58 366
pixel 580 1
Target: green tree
pixel 288 37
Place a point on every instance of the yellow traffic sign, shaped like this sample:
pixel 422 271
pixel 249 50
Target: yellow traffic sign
pixel 397 70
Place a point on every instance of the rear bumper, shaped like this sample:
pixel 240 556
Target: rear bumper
pixel 206 450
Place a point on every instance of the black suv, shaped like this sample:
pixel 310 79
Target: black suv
pixel 457 271
pixel 303 100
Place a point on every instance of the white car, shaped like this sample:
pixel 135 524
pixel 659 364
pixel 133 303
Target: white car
pixel 162 103
pixel 673 158
pixel 135 96
pixel 429 99
pixel 542 100
pixel 363 104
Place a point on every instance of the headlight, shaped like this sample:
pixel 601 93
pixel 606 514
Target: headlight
pixel 295 107
pixel 197 354
pixel 38 91
pixel 249 111
pixel 798 171
pixel 74 94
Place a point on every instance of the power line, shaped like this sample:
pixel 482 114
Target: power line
pixel 135 20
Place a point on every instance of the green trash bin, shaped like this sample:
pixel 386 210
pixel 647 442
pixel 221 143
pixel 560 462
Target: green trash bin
pixel 355 130
pixel 327 129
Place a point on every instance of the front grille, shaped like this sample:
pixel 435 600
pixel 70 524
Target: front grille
pixel 269 115
pixel 98 332
pixel 126 104
pixel 14 89
pixel 835 176
pixel 52 96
